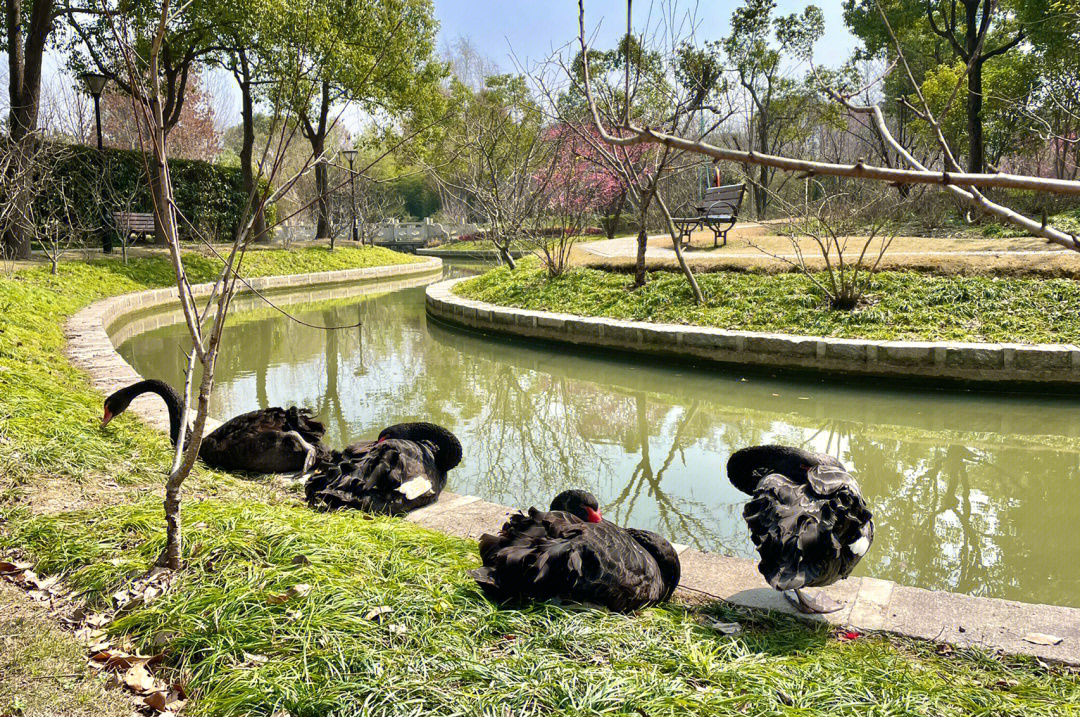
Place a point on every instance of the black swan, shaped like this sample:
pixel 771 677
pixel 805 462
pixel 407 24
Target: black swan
pixel 402 470
pixel 571 553
pixel 807 518
pixel 271 440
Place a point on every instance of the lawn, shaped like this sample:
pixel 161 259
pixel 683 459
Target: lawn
pixel 901 305
pixel 443 649
pixel 225 628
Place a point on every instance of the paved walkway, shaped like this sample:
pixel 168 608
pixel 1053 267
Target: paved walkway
pixel 626 247
pixel 869 604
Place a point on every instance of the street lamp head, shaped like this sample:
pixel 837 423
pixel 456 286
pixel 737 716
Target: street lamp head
pixel 350 154
pixel 95 82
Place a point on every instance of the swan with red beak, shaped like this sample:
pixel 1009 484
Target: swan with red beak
pixel 572 553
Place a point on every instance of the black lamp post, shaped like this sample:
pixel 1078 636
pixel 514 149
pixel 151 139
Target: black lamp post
pixel 350 154
pixel 95 83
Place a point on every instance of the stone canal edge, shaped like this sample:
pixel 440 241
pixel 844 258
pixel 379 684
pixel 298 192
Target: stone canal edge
pixel 1030 367
pixel 870 604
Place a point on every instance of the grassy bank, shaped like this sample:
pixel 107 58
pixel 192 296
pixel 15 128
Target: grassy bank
pixel 901 305
pixel 442 649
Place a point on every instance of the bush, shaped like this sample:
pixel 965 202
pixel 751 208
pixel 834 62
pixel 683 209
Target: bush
pixel 211 197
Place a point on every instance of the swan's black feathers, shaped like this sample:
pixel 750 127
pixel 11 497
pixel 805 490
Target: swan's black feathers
pixel 391 476
pixel 545 555
pixel 807 516
pixel 264 441
pixel 271 440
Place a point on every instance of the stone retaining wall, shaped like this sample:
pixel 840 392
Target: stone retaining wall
pixel 1008 366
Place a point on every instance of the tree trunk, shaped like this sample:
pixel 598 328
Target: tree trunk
pixel 24 95
pixel 613 220
pixel 974 81
pixel 974 119
pixel 322 206
pixel 316 134
pixel 247 147
pixel 642 245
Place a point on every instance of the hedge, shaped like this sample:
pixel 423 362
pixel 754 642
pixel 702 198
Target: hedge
pixel 211 197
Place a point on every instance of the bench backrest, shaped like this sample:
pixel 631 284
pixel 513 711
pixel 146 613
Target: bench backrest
pixel 724 200
pixel 134 221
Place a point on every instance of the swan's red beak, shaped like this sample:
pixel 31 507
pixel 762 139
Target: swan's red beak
pixel 106 418
pixel 594 516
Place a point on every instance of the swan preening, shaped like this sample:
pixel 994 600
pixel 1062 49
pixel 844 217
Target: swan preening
pixel 270 440
pixel 403 469
pixel 572 553
pixel 807 518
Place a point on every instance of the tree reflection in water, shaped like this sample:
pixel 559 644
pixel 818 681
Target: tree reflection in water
pixel 970 493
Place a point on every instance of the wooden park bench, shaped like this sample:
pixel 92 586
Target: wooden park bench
pixel 718 210
pixel 130 224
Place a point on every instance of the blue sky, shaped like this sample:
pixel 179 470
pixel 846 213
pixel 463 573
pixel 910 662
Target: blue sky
pixel 534 27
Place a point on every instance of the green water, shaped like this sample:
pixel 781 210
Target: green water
pixel 974 493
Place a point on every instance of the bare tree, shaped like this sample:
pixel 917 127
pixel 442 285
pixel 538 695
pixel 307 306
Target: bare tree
pixel 850 226
pixel 205 323
pixel 506 166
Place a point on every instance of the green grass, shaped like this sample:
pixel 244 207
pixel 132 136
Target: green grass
pixel 48 414
pixel 901 305
pixel 457 654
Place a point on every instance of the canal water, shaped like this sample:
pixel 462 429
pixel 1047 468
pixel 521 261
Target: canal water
pixel 973 493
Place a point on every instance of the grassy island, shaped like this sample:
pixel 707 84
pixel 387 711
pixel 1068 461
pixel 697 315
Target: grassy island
pixel 899 305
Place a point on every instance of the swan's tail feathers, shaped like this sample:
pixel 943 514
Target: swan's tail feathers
pixel 485 578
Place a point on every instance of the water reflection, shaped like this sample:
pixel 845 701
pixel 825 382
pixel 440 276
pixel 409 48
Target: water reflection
pixel 974 494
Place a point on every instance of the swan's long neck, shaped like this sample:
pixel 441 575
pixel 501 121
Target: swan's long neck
pixel 168 395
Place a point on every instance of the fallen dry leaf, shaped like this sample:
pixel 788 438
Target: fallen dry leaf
pixel 251 659
pixel 89 635
pixel 169 700
pixel 376 612
pixel 10 567
pixel 98 620
pixel 1041 638
pixel 726 628
pixel 139 679
pixel 298 590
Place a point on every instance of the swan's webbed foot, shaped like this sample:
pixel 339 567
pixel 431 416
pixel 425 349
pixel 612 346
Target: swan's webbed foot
pixel 811 604
pixel 309 458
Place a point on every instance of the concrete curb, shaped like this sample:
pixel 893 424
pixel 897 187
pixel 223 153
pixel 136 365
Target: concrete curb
pixel 869 604
pixel 1041 367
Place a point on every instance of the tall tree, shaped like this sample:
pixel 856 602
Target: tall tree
pixel 134 24
pixel 26 38
pixel 938 32
pixel 753 48
pixel 375 54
